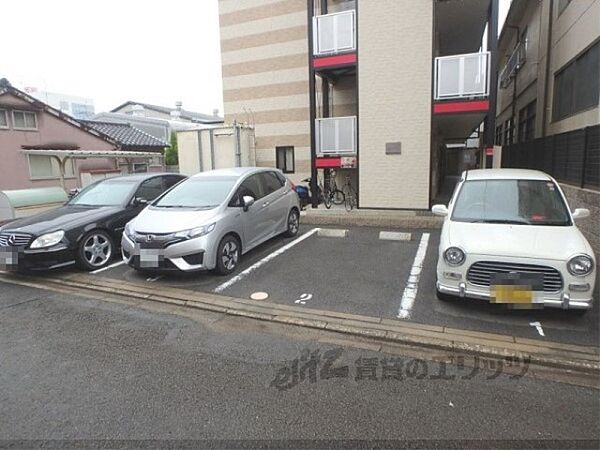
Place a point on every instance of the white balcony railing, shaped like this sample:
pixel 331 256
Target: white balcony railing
pixel 334 33
pixel 336 136
pixel 462 76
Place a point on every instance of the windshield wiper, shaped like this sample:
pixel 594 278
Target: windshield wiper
pixel 502 221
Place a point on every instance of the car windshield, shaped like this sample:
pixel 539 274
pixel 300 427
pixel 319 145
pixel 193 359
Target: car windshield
pixel 104 193
pixel 526 202
pixel 202 192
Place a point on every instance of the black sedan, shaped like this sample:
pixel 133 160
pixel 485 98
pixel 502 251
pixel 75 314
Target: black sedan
pixel 86 230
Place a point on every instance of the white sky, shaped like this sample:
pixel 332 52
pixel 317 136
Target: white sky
pixel 151 51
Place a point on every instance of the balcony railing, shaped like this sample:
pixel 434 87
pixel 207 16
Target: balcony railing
pixel 336 136
pixel 462 76
pixel 514 64
pixel 334 33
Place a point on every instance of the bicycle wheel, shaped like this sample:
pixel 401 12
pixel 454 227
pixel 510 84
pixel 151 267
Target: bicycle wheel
pixel 327 200
pixel 338 197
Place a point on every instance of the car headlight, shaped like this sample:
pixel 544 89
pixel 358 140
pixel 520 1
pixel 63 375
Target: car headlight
pixel 129 231
pixel 48 240
pixel 580 265
pixel 196 232
pixel 454 256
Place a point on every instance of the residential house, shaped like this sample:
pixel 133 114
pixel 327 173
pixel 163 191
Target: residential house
pixel 375 89
pixel 162 112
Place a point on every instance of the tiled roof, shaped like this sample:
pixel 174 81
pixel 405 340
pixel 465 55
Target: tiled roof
pixel 126 135
pixel 184 114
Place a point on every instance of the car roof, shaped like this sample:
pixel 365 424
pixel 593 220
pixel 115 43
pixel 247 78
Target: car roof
pixel 136 177
pixel 506 174
pixel 235 172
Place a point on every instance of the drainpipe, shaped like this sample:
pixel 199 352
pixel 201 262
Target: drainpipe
pixel 514 94
pixel 313 106
pixel 200 166
pixel 490 123
pixel 212 149
pixel 547 74
pixel 238 151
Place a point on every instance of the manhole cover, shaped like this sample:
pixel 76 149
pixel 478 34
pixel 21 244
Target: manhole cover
pixel 259 296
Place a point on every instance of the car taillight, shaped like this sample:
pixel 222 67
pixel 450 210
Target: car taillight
pixel 292 184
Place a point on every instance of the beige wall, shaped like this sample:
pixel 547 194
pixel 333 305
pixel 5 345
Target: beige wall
pixel 264 50
pixel 572 33
pixel 394 102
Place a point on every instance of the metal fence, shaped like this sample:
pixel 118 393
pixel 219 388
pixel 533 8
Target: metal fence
pixel 571 158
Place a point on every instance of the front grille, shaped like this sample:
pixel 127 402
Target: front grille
pixel 14 239
pixel 156 240
pixel 481 272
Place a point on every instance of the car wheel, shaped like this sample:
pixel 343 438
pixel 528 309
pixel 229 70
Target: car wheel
pixel 95 250
pixel 443 297
pixel 293 223
pixel 228 255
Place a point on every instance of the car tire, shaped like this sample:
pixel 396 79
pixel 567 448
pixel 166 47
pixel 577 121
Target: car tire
pixel 228 255
pixel 95 250
pixel 443 297
pixel 293 223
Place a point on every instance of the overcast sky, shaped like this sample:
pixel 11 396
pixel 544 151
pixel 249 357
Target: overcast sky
pixel 151 51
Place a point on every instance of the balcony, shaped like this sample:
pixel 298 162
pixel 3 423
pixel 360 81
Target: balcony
pixel 514 64
pixel 462 76
pixel 336 136
pixel 334 33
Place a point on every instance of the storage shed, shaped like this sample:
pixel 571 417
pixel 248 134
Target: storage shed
pixel 26 202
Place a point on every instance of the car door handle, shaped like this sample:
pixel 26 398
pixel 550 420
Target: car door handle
pixel 265 204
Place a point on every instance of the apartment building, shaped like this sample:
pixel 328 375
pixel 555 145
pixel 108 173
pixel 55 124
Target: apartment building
pixel 548 102
pixel 381 91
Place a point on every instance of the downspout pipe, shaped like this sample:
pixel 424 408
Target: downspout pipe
pixel 547 71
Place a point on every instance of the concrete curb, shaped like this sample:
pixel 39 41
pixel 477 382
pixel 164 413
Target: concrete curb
pixel 550 354
pixel 383 219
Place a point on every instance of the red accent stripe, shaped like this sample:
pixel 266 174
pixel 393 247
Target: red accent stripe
pixel 330 61
pixel 458 107
pixel 489 151
pixel 328 163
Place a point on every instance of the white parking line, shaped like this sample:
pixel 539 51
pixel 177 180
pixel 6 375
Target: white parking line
pixel 156 278
pixel 538 327
pixel 117 264
pixel 412 285
pixel 263 261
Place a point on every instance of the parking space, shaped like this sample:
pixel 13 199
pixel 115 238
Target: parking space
pixel 369 271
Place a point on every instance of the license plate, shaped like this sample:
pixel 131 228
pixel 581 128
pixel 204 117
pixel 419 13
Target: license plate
pixel 9 257
pixel 150 258
pixel 516 288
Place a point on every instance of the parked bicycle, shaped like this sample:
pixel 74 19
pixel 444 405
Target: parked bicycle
pixel 331 194
pixel 350 197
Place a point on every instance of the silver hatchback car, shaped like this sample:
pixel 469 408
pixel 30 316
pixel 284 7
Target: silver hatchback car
pixel 209 220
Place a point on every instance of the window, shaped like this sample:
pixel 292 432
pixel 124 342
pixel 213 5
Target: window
pixel 104 193
pixel 577 86
pixel 171 180
pixel 41 166
pixel 562 5
pixel 499 135
pixel 251 186
pixel 140 167
pixel 150 189
pixel 285 159
pixel 3 119
pixel 198 192
pixel 270 182
pixel 24 120
pixel 527 122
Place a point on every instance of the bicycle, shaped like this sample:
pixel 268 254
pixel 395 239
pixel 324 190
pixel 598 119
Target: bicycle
pixel 331 194
pixel 350 200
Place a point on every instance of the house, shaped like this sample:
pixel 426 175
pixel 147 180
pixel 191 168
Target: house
pixel 162 112
pixel 132 139
pixel 548 109
pixel 378 90
pixel 42 146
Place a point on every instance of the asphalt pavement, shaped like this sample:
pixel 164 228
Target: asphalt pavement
pixel 360 273
pixel 76 368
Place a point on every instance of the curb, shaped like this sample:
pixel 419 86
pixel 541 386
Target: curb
pixel 385 221
pixel 543 353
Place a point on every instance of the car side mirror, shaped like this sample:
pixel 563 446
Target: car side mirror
pixel 139 201
pixel 581 213
pixel 247 202
pixel 72 193
pixel 440 210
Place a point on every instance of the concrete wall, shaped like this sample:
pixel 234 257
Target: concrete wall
pixel 394 102
pixel 264 51
pixel 584 198
pixel 14 169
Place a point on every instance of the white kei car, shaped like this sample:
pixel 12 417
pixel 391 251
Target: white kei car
pixel 510 237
